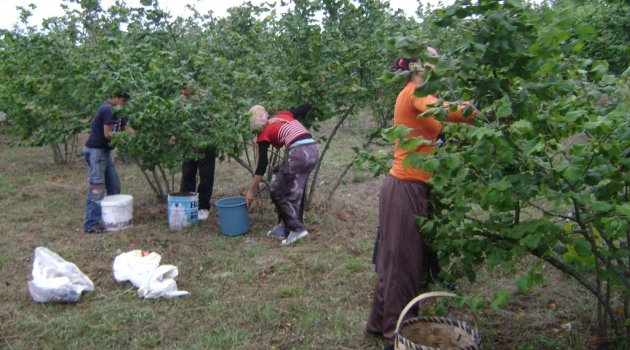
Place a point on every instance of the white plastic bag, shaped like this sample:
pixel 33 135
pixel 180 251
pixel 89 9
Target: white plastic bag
pixel 135 266
pixel 161 284
pixel 56 280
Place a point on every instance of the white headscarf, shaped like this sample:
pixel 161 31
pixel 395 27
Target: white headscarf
pixel 259 119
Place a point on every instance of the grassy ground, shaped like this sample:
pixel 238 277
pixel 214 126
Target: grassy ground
pixel 246 292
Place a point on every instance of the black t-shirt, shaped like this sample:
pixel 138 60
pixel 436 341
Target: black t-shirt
pixel 103 116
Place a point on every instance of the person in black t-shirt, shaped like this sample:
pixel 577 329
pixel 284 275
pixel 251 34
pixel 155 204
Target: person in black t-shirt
pixel 102 176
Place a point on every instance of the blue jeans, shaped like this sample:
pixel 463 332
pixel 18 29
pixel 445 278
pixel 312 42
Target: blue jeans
pixel 102 177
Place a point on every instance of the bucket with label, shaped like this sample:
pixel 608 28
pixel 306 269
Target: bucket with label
pixel 233 215
pixel 183 208
pixel 117 212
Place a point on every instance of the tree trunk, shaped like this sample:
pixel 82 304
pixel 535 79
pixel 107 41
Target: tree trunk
pixel 323 153
pixel 348 167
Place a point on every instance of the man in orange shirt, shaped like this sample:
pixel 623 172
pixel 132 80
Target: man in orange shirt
pixel 404 193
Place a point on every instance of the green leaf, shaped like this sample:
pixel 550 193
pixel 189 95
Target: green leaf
pixel 428 88
pixel 504 107
pixel 394 133
pixel 500 300
pixel 431 165
pixel 601 207
pixel 522 126
pixel 524 283
pixel 531 241
pixel 462 173
pixel 572 174
pixel 503 185
pixel 623 209
pixel 476 303
pixel 586 31
pixel 494 259
pixel 599 67
pixel 536 148
pixel 572 116
pixel 428 227
pixel 515 232
pixel 560 248
pixel 593 125
pixel 582 247
pixel 453 162
pixel 468 111
pixel 410 144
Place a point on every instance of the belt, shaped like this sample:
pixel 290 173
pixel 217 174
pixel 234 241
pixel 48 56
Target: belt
pixel 303 142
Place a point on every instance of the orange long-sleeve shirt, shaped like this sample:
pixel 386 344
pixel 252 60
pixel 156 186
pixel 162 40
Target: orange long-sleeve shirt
pixel 406 111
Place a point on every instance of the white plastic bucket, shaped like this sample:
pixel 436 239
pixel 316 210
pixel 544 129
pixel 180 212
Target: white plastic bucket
pixel 117 212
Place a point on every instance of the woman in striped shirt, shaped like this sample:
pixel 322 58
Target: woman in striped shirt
pixel 289 182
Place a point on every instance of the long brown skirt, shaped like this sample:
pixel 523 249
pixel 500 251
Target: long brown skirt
pixel 401 249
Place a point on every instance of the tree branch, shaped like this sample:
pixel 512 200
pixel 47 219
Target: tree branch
pixel 349 166
pixel 146 176
pixel 323 153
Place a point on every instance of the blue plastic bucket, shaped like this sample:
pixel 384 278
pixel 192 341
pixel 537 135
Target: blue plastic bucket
pixel 233 215
pixel 183 208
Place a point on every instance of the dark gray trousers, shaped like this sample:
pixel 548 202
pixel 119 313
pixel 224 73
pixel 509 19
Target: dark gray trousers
pixel 289 182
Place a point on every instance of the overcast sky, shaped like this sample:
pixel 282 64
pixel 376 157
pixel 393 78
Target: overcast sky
pixel 51 8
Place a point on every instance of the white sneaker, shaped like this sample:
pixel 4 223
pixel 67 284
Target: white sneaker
pixel 202 214
pixel 294 236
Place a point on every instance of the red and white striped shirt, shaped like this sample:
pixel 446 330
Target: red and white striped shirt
pixel 282 130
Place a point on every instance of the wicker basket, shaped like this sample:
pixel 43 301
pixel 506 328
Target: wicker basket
pixel 434 333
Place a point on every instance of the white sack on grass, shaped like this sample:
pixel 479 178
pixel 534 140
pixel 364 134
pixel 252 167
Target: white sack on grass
pixel 161 284
pixel 143 270
pixel 55 279
pixel 135 266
